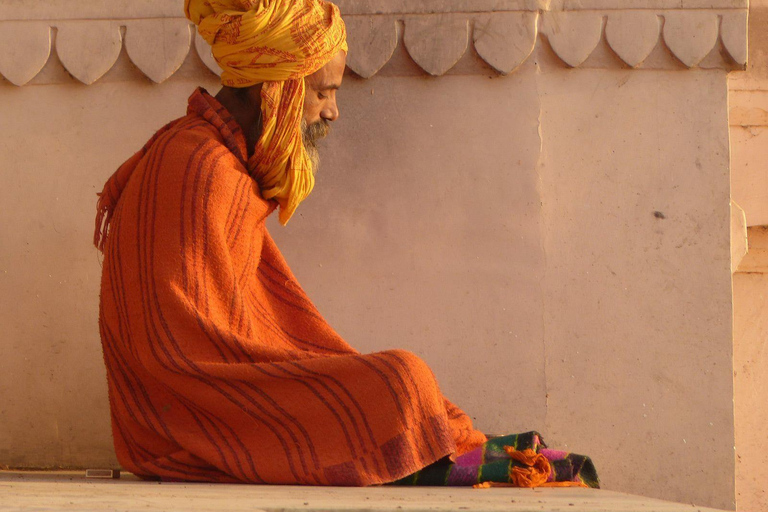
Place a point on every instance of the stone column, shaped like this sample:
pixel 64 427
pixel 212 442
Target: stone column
pixel 748 103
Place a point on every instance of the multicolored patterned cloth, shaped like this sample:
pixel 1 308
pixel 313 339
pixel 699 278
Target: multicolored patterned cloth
pixel 518 460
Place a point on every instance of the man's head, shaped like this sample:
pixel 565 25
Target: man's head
pixel 320 107
pixel 296 50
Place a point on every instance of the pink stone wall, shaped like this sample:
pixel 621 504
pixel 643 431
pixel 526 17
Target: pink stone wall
pixel 553 242
pixel 748 104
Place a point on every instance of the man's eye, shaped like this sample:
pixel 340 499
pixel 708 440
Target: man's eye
pixel 321 96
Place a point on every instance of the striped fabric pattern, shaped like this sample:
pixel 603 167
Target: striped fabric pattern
pixel 495 462
pixel 219 367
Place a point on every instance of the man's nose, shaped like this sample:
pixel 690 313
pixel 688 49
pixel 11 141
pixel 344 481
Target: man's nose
pixel 330 112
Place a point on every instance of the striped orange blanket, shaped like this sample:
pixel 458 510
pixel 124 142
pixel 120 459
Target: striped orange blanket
pixel 219 367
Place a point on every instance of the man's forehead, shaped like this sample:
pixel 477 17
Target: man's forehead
pixel 330 75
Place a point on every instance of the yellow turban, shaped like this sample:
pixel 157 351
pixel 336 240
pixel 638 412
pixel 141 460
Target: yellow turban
pixel 277 43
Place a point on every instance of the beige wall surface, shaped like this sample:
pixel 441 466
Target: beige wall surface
pixel 541 286
pixel 553 242
pixel 751 381
pixel 58 144
pixel 637 306
pixel 424 232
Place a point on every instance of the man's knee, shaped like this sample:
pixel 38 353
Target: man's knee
pixel 406 356
pixel 410 362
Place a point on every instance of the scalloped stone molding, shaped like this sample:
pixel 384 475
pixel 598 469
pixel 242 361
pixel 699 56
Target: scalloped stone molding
pixel 573 36
pixel 158 47
pixel 205 53
pixel 690 36
pixel 88 49
pixel 506 39
pixel 24 49
pixel 633 35
pixel 435 39
pixel 436 43
pixel 374 39
pixel 733 32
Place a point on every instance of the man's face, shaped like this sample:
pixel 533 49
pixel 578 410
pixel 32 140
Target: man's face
pixel 320 103
pixel 321 87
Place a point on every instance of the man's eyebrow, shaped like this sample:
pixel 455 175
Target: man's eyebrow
pixel 325 87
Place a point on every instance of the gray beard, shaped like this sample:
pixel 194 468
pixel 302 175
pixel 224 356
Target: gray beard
pixel 310 136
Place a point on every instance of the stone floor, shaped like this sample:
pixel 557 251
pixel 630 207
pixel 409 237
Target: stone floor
pixel 49 491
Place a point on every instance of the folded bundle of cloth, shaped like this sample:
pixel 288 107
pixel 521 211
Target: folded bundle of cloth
pixel 517 460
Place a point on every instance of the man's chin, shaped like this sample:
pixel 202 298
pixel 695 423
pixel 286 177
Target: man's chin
pixel 315 131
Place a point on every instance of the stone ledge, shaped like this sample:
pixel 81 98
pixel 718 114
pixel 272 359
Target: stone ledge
pixel 70 491
pixel 436 42
pixel 755 258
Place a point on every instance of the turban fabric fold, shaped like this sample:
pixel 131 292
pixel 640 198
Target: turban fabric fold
pixel 275 43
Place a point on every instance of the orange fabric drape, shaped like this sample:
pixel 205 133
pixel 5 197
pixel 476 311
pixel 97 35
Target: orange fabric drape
pixel 219 367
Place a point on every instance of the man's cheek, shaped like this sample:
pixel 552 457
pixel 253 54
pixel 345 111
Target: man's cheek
pixel 312 115
pixel 309 105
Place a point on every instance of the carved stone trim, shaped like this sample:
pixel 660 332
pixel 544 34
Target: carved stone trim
pixel 506 39
pixel 633 35
pixel 203 50
pixel 24 49
pixel 435 42
pixel 158 47
pixel 88 49
pixel 733 32
pixel 145 9
pixel 378 36
pixel 678 28
pixel 573 36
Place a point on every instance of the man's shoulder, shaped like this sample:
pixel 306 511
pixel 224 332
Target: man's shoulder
pixel 190 148
pixel 190 138
pixel 187 132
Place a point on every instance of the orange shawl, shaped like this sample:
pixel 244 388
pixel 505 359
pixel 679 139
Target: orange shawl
pixel 219 367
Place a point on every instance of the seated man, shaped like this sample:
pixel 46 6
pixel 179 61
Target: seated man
pixel 219 367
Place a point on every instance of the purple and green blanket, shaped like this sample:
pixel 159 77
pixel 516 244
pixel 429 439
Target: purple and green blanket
pixel 520 460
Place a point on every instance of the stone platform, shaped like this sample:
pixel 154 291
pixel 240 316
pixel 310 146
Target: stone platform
pixel 49 491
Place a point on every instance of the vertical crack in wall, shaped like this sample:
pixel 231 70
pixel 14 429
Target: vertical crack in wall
pixel 540 163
